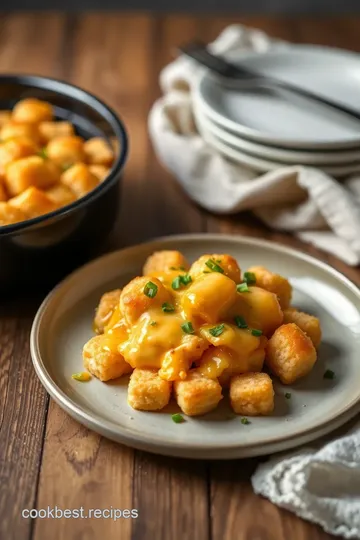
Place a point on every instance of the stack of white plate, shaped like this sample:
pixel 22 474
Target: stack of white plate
pixel 265 129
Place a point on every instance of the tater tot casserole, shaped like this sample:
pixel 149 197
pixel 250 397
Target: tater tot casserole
pixel 201 331
pixel 44 164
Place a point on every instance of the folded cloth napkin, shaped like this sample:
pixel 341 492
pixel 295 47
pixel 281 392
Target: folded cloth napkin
pixel 320 485
pixel 301 200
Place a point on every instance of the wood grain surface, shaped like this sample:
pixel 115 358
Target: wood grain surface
pixel 46 458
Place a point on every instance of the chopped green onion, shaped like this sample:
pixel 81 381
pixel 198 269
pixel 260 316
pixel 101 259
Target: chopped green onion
pixel 256 332
pixel 43 153
pixel 84 376
pixel 214 267
pixel 181 280
pixel 176 283
pixel 188 327
pixel 177 418
pixel 173 268
pixel 206 272
pixel 150 289
pixel 240 321
pixel 245 421
pixel 182 268
pixel 250 278
pixel 177 268
pixel 242 287
pixel 153 323
pixel 329 374
pixel 167 308
pixel 217 330
pixel 186 279
pixel 288 395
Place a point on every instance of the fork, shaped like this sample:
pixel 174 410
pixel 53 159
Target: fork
pixel 228 72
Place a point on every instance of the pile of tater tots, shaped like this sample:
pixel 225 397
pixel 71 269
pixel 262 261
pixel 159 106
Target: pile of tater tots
pixel 192 331
pixel 44 165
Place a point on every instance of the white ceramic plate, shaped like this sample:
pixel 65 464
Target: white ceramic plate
pixel 265 165
pixel 276 117
pixel 317 406
pixel 283 155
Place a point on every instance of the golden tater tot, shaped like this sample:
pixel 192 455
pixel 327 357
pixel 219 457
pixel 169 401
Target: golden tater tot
pixel 16 148
pixel 147 391
pixel 79 179
pixel 98 152
pixel 273 283
pixel 66 150
pixel 20 129
pixel 33 202
pixel 308 324
pixel 140 295
pixel 208 298
pixel 222 263
pixel 108 302
pixel 177 361
pixel 165 261
pixel 259 308
pixel 61 195
pixel 252 394
pixel 50 130
pixel 240 363
pixel 32 110
pixel 5 117
pixel 197 395
pixel 9 214
pixel 102 361
pixel 290 353
pixel 100 171
pixel 30 171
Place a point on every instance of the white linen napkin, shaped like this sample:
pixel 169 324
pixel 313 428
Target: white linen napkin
pixel 298 199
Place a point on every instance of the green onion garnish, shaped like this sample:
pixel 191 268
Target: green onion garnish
pixel 188 327
pixel 182 268
pixel 186 279
pixel 181 280
pixel 84 376
pixel 214 267
pixel 329 374
pixel 256 332
pixel 288 395
pixel 242 287
pixel 150 289
pixel 245 421
pixel 217 330
pixel 177 418
pixel 240 322
pixel 43 153
pixel 177 268
pixel 250 278
pixel 176 283
pixel 167 308
pixel 153 323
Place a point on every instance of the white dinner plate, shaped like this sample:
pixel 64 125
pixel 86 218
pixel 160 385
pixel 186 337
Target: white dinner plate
pixel 317 405
pixel 283 119
pixel 265 165
pixel 283 155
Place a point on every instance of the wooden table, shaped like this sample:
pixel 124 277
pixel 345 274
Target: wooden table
pixel 46 458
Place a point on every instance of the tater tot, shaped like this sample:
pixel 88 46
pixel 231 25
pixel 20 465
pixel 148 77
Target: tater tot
pixel 16 148
pixel 252 394
pixel 103 362
pixel 100 171
pixel 9 214
pixel 197 395
pixel 98 151
pixel 147 391
pixel 239 363
pixel 33 202
pixel 165 261
pixel 136 297
pixel 20 129
pixel 79 179
pixel 30 171
pixel 50 130
pixel 208 298
pixel 273 283
pixel 225 264
pixel 260 309
pixel 61 195
pixel 66 150
pixel 32 110
pixel 108 302
pixel 308 324
pixel 290 353
pixel 177 361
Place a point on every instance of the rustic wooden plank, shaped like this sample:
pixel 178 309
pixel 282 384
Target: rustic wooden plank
pixel 28 44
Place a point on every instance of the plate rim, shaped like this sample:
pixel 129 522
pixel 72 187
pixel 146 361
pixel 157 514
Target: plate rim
pixel 258 136
pixel 136 439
